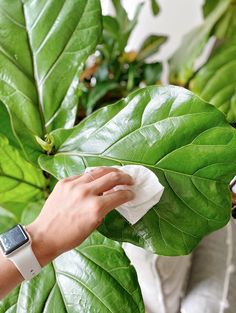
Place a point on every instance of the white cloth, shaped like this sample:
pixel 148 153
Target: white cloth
pixel 147 189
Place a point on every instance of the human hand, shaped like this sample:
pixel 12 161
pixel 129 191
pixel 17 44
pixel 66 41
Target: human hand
pixel 75 209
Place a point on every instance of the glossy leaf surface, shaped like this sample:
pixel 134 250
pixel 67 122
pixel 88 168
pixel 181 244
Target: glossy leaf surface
pixel 43 45
pixel 96 277
pixel 19 180
pixel 182 63
pixel 216 81
pixel 185 141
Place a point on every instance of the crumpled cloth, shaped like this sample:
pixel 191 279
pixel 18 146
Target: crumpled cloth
pixel 147 189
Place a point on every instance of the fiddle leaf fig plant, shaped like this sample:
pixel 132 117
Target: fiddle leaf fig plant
pixel 40 74
pixel 184 140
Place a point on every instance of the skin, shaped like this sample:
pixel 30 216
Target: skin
pixel 76 205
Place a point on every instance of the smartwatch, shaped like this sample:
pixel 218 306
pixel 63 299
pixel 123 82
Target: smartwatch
pixel 16 246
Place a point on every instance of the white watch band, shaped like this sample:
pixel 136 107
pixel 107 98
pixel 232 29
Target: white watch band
pixel 25 261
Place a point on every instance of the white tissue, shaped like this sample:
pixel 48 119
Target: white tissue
pixel 147 189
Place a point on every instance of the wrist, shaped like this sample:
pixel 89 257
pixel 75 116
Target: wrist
pixel 40 246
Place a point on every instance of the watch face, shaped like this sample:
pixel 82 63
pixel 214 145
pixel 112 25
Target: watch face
pixel 12 239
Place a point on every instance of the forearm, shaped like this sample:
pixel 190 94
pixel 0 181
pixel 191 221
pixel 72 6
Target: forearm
pixel 10 277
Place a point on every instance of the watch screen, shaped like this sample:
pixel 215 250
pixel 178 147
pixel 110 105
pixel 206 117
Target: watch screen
pixel 13 239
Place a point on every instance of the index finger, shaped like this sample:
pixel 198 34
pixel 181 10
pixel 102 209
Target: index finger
pixel 114 199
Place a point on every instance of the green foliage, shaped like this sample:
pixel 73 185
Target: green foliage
pixel 184 140
pixel 115 72
pixel 225 27
pixel 39 75
pixel 216 81
pixel 155 7
pixel 164 129
pixel 19 180
pixel 182 62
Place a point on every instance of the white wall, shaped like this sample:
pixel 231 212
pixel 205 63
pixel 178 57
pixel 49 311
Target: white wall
pixel 176 18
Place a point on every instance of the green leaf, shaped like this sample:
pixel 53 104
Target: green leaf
pixel 9 304
pixel 43 45
pixel 150 46
pixel 216 81
pixel 152 73
pixel 19 180
pixel 111 26
pixel 5 126
pixel 226 26
pixel 97 277
pixel 121 14
pixel 155 7
pixel 183 61
pixel 126 26
pixel 210 5
pixel 7 220
pixel 185 141
pixel 97 92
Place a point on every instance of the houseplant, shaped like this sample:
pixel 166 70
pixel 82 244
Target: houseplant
pixel 168 129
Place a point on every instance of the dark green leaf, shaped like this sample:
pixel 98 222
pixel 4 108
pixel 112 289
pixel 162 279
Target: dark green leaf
pixel 210 5
pixel 5 126
pixel 19 180
pixel 155 7
pixel 111 26
pixel 97 277
pixel 225 28
pixel 216 81
pixel 43 45
pixel 9 304
pixel 152 73
pixel 97 92
pixel 150 46
pixel 183 61
pixel 185 141
pixel 126 26
pixel 121 14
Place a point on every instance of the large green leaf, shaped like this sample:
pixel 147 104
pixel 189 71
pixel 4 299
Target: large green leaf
pixel 43 45
pixel 97 277
pixel 185 141
pixel 216 81
pixel 19 180
pixel 183 61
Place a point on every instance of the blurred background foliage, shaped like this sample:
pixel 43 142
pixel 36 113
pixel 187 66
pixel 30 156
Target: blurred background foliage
pixel 113 72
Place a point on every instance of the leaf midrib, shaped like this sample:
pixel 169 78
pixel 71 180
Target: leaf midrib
pixel 21 181
pixel 81 283
pixel 132 162
pixel 105 270
pixel 40 109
